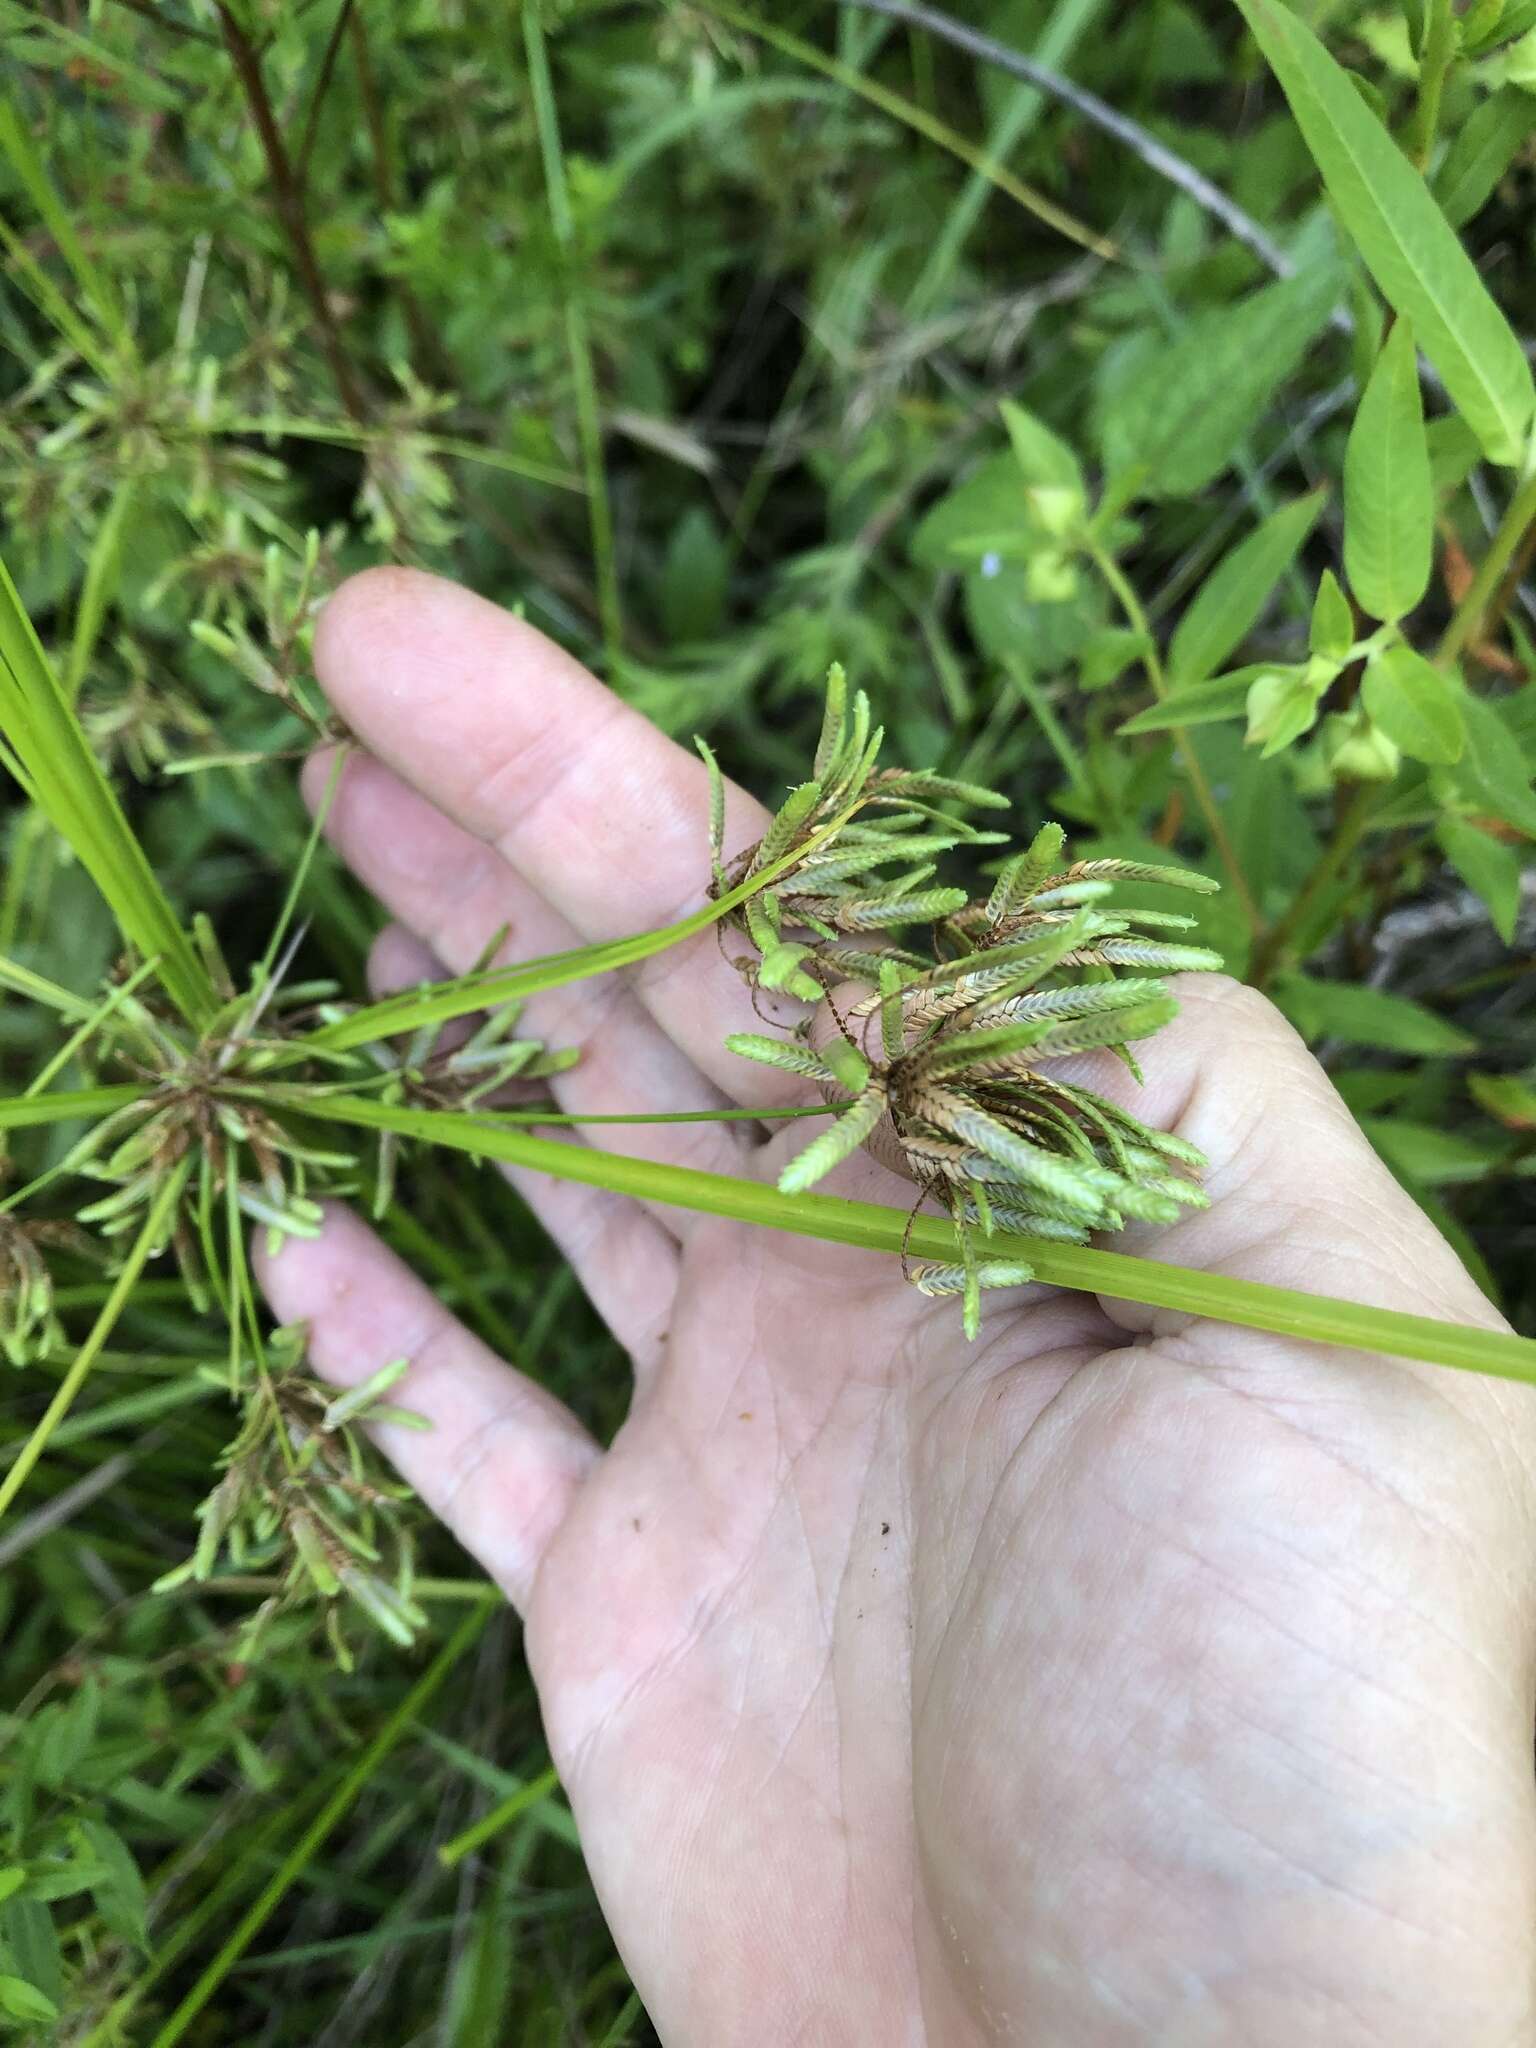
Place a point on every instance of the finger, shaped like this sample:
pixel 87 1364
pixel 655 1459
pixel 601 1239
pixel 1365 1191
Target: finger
pixel 511 737
pixel 626 1260
pixel 457 896
pixel 502 1461
pixel 1298 1196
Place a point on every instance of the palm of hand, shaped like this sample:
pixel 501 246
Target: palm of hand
pixel 1069 1687
pixel 890 1675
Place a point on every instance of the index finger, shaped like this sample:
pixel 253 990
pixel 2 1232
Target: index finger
pixel 511 737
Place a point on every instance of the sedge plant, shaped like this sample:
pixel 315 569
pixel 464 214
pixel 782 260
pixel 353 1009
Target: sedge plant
pixel 1233 582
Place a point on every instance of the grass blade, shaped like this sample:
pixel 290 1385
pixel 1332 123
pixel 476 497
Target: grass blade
pixel 66 780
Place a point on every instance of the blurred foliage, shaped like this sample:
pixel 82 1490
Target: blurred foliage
pixel 689 333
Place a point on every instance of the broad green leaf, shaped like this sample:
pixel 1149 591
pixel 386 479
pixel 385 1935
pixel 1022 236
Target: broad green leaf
pixel 1389 499
pixel 1408 245
pixel 991 500
pixel 1506 1097
pixel 1235 593
pixel 119 1894
pixel 1204 703
pixel 30 1944
pixel 1416 706
pixel 1481 152
pixel 695 574
pixel 1043 457
pixel 1492 774
pixel 1366 1016
pixel 1426 1154
pixel 1387 488
pixel 63 1735
pixel 20 2000
pixel 1502 25
pixel 1489 868
pixel 1177 415
pixel 1106 655
pixel 1454 452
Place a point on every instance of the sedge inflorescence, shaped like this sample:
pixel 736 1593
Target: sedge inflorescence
pixel 947 1010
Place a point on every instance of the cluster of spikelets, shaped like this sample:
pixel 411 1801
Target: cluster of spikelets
pixel 224 1107
pixel 942 1070
pixel 302 1496
pixel 220 1127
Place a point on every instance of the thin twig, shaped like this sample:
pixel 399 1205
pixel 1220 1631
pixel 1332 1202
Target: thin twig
pixel 1274 947
pixel 432 363
pixel 149 12
pixel 317 97
pixel 1154 154
pixel 288 201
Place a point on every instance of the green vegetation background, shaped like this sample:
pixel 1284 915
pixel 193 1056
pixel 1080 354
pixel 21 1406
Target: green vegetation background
pixel 687 336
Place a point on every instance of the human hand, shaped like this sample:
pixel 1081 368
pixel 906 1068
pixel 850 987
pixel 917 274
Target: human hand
pixel 1119 1678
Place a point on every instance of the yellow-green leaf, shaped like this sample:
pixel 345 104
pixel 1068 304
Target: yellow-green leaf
pixel 1408 245
pixel 1414 704
pixel 1389 498
pixel 1237 590
pixel 1489 868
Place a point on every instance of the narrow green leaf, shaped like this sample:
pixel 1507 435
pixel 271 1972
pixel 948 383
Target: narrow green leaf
pixel 1415 704
pixel 1331 630
pixel 1481 151
pixel 1389 498
pixel 1235 593
pixel 1506 1097
pixel 17 146
pixel 1367 1016
pixel 1492 774
pixel 440 1002
pixel 1179 414
pixel 66 779
pixel 1490 869
pixel 120 1897
pixel 1408 246
pixel 1204 703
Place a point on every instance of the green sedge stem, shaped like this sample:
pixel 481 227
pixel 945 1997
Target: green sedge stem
pixel 1353 822
pixel 578 341
pixel 1316 1318
pixel 144 1246
pixel 88 1029
pixel 443 1001
pixel 296 1097
pixel 499 1817
pixel 263 974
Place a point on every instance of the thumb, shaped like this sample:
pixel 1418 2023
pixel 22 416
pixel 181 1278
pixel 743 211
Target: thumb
pixel 1298 1196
